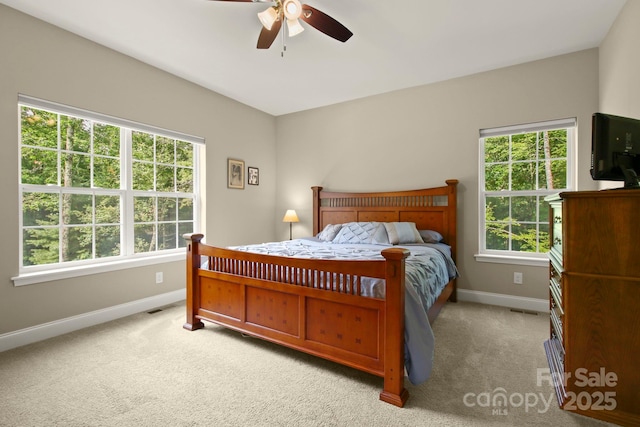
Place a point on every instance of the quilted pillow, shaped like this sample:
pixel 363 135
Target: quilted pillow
pixel 361 233
pixel 402 232
pixel 431 236
pixel 329 232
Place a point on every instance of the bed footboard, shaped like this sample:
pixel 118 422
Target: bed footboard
pixel 312 306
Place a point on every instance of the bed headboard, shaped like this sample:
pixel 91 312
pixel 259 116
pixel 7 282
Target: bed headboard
pixel 430 208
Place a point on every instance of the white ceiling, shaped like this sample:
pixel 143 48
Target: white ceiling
pixel 396 44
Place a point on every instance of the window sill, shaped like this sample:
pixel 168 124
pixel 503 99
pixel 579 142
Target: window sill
pixel 86 270
pixel 512 259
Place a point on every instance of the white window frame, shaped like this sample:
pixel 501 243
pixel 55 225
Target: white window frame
pixel 517 257
pixel 43 273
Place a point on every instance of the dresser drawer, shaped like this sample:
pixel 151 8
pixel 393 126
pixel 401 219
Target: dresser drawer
pixel 555 284
pixel 557 317
pixel 556 229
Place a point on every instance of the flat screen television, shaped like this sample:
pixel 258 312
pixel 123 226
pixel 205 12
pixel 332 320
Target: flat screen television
pixel 615 149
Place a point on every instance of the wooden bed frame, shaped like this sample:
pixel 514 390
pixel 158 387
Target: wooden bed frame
pixel 268 297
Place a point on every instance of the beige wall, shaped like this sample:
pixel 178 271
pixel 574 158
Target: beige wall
pixel 619 85
pixel 419 137
pixel 43 61
pixel 406 139
pixel 620 65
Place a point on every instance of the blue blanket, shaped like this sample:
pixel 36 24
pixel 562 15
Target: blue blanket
pixel 428 269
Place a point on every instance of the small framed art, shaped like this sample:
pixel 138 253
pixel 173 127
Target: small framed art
pixel 235 174
pixel 254 176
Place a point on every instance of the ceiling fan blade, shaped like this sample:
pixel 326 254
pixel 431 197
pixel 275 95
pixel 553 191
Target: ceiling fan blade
pixel 267 37
pixel 323 22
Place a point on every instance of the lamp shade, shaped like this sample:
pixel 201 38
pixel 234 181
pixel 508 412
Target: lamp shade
pixel 268 17
pixel 294 27
pixel 290 216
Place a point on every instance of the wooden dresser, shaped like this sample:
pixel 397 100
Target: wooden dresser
pixel 595 303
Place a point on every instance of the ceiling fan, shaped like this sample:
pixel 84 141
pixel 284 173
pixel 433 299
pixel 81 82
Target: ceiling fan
pixel 292 11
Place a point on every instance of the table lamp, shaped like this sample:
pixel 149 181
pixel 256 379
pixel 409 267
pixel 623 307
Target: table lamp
pixel 290 216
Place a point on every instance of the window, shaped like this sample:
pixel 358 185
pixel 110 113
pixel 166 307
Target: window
pixel 520 166
pixel 99 189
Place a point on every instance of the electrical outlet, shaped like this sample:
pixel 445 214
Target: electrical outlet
pixel 517 278
pixel 159 277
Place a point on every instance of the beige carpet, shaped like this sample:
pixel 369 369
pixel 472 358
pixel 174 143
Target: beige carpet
pixel 145 370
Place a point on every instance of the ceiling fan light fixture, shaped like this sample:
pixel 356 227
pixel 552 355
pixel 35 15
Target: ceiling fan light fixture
pixel 292 9
pixel 268 17
pixel 294 26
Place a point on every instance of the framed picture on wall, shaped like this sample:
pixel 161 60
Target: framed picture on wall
pixel 254 176
pixel 235 174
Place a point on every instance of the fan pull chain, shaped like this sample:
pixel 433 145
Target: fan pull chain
pixel 284 44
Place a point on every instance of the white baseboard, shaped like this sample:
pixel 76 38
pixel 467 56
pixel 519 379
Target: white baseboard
pixel 58 327
pixel 510 301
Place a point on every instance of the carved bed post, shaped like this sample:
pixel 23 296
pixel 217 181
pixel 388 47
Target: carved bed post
pixel 193 279
pixel 452 202
pixel 316 209
pixel 394 391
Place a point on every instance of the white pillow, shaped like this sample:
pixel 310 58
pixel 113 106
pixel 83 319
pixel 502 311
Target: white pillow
pixel 329 232
pixel 402 232
pixel 362 233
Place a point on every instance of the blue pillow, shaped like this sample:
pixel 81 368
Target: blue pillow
pixel 362 233
pixel 431 236
pixel 329 232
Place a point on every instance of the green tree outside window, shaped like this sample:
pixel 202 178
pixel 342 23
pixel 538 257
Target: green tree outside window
pixel 519 171
pixel 74 196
